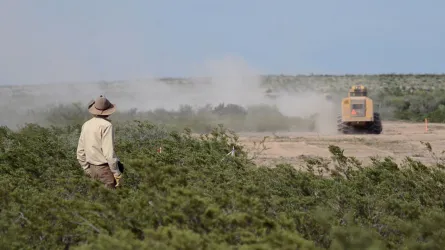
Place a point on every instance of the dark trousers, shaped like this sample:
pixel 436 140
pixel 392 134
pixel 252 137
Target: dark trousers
pixel 103 174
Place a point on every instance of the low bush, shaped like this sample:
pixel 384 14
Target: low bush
pixel 254 118
pixel 195 195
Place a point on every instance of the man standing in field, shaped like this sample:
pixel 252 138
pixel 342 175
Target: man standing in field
pixel 95 150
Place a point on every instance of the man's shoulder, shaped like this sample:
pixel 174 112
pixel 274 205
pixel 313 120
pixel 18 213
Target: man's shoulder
pixel 104 122
pixel 87 123
pixel 97 122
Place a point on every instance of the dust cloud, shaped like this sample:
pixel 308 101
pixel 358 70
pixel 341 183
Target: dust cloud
pixel 305 104
pixel 228 80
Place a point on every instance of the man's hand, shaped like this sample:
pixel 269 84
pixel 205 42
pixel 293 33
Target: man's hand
pixel 118 179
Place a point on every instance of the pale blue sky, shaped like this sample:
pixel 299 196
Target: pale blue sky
pixel 56 40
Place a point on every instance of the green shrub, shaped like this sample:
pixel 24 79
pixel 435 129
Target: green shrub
pixel 256 118
pixel 194 195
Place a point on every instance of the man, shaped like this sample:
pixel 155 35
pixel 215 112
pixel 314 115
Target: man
pixel 95 150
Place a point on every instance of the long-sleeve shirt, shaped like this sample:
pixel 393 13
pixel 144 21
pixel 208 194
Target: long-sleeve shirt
pixel 96 144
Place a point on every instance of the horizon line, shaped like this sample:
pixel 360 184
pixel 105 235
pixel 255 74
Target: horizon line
pixel 166 78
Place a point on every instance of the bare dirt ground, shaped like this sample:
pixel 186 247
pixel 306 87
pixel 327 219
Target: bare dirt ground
pixel 398 140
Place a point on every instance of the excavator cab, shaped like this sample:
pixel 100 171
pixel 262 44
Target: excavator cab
pixel 358 104
pixel 358 90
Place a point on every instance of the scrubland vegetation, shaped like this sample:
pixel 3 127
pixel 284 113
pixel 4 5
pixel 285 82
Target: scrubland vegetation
pixel 194 195
pixel 401 97
pixel 396 97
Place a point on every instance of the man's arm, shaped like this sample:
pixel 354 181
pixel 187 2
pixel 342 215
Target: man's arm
pixel 108 149
pixel 81 151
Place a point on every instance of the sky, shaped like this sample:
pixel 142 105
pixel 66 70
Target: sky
pixel 49 41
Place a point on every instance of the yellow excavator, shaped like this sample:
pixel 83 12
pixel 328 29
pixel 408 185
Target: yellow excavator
pixel 357 113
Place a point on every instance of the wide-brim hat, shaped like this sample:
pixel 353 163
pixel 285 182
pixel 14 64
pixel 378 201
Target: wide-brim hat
pixel 102 106
pixel 91 103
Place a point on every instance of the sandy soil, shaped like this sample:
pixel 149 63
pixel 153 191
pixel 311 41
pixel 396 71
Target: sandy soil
pixel 398 140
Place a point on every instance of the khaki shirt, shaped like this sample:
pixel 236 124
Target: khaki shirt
pixel 96 144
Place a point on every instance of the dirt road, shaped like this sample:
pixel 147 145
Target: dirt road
pixel 398 140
